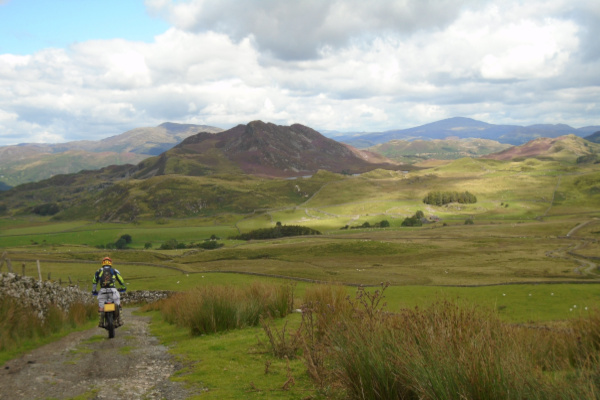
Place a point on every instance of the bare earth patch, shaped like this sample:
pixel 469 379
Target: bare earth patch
pixel 133 365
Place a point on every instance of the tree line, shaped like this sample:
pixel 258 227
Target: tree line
pixel 439 198
pixel 277 232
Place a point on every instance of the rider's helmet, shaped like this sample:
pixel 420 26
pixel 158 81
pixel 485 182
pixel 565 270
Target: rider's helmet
pixel 106 261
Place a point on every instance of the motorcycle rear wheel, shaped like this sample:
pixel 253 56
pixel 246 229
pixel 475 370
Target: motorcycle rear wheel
pixel 110 325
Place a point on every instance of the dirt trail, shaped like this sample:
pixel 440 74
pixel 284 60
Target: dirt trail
pixel 131 366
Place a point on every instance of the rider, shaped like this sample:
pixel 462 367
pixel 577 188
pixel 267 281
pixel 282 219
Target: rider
pixel 106 277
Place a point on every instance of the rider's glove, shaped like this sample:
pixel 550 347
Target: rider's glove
pixel 94 292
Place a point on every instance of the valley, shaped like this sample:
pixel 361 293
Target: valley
pixel 525 253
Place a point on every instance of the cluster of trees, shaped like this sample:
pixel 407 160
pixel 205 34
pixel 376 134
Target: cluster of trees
pixel 415 220
pixel 277 232
pixel 382 224
pixel 438 198
pixel 46 209
pixel 207 244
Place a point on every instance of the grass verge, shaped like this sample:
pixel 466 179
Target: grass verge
pixel 21 330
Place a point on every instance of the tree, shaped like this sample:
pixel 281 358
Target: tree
pixel 121 244
pixel 384 224
pixel 147 245
pixel 127 238
pixel 419 214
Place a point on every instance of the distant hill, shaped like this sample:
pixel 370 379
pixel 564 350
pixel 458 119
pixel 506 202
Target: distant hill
pixel 205 174
pixel 594 137
pixel 447 149
pixel 263 149
pixel 569 148
pixel 4 186
pixel 466 128
pixel 31 162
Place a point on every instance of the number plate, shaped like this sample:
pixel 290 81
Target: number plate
pixel 109 307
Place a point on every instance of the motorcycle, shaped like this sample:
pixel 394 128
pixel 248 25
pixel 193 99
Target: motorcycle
pixel 109 313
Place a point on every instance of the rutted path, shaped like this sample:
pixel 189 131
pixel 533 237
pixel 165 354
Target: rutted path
pixel 133 365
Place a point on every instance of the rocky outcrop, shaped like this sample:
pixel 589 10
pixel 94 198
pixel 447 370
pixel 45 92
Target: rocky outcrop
pixel 40 294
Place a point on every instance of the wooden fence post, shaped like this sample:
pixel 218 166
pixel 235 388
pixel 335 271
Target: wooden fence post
pixel 2 260
pixel 23 269
pixel 39 270
pixel 49 276
pixel 9 265
pixel 70 281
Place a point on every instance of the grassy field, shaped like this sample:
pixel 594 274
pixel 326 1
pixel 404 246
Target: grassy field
pixel 516 260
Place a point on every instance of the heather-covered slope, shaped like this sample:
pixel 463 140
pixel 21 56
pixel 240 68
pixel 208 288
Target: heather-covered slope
pixel 263 149
pixel 564 148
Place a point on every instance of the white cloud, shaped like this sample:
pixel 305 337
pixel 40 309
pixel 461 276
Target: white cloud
pixel 352 65
pixel 295 30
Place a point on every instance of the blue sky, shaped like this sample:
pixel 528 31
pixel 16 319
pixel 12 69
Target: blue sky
pixel 84 69
pixel 27 26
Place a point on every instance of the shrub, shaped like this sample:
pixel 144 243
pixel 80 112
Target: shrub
pixel 19 323
pixel 450 350
pixel 213 309
pixel 412 221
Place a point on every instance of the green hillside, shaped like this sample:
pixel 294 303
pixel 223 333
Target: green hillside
pixel 447 149
pixel 526 189
pixel 42 166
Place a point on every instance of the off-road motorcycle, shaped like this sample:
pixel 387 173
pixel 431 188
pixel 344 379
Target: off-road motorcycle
pixel 109 313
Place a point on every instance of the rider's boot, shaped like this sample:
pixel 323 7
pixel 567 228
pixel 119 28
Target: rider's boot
pixel 100 320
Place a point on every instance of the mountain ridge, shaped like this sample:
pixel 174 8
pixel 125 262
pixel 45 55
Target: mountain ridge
pixel 29 162
pixel 463 128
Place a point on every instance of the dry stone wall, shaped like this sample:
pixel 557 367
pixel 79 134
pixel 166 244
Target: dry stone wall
pixel 144 296
pixel 40 294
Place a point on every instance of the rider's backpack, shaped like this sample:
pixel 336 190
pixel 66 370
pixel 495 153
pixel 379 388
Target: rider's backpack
pixel 106 278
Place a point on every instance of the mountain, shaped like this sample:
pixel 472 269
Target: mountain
pixel 4 186
pixel 263 149
pixel 460 127
pixel 32 162
pixel 447 149
pixel 207 173
pixel 594 137
pixel 569 148
pixel 152 141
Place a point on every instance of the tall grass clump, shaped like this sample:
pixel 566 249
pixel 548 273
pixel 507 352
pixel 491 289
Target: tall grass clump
pixel 454 351
pixel 210 309
pixel 20 324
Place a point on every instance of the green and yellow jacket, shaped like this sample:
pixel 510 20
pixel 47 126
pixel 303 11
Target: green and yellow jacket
pixel 106 277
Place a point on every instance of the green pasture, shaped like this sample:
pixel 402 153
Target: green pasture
pixel 533 302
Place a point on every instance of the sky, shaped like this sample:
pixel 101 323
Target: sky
pixel 86 70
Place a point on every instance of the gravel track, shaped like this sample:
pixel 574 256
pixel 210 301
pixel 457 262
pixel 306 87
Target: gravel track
pixel 133 365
